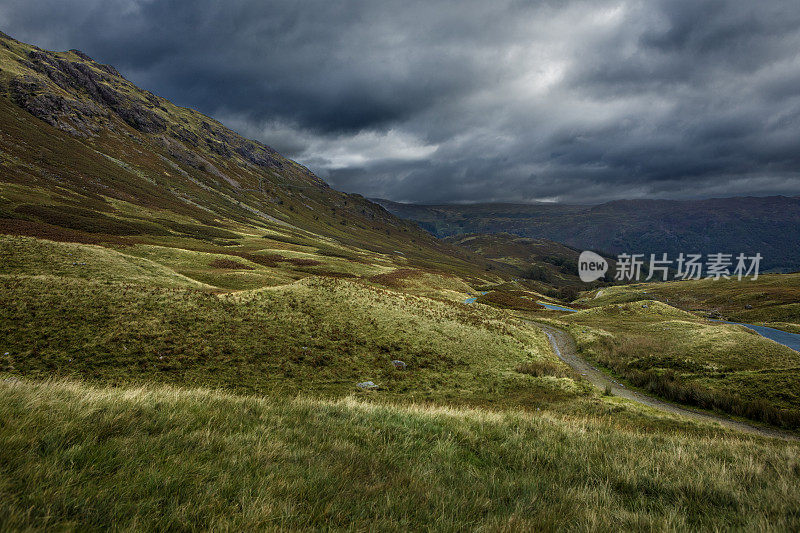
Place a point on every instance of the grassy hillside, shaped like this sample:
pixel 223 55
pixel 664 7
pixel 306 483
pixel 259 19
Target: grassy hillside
pixel 682 357
pixel 186 318
pixel 75 457
pixel 772 300
pixel 140 314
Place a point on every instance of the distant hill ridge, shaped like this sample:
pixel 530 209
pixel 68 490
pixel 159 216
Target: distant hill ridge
pixel 768 225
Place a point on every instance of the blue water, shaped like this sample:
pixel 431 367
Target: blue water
pixel 556 307
pixel 792 340
pixel 472 300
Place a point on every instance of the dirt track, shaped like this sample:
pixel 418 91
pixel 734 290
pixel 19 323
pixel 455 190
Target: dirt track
pixel 564 347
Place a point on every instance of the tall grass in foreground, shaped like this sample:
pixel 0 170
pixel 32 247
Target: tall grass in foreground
pixel 76 457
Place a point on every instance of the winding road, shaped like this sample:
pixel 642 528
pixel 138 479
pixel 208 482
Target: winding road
pixel 564 347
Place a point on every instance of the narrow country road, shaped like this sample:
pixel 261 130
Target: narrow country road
pixel 564 347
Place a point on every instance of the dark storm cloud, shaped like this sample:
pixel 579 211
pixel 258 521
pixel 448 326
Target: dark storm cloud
pixel 471 100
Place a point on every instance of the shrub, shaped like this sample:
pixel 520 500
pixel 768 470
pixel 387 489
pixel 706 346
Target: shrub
pixel 88 221
pixel 200 232
pixel 508 300
pixel 670 386
pixel 268 260
pixel 537 273
pixel 568 293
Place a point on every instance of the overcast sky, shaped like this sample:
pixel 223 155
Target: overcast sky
pixel 465 101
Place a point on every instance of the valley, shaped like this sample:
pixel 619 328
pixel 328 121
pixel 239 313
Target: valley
pixel 198 333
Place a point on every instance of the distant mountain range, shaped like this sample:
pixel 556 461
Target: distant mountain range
pixel 768 225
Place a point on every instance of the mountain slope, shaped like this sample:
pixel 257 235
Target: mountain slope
pixel 87 156
pixel 769 225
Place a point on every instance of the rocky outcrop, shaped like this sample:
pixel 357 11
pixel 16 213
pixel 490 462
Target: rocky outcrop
pixel 68 114
pixel 99 85
pixel 81 96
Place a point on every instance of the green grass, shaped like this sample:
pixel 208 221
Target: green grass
pixel 772 299
pixel 681 357
pixel 171 265
pixel 320 336
pixel 122 318
pixel 201 266
pixel 190 407
pixel 432 284
pixel 192 364
pixel 75 457
pixel 35 257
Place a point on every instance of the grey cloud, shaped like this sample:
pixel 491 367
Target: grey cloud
pixel 578 101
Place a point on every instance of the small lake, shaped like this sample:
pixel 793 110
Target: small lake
pixel 556 307
pixel 472 300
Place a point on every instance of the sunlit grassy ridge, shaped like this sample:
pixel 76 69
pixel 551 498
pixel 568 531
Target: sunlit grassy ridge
pixel 93 313
pixel 34 257
pixel 432 284
pixel 773 299
pixel 159 458
pixel 677 355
